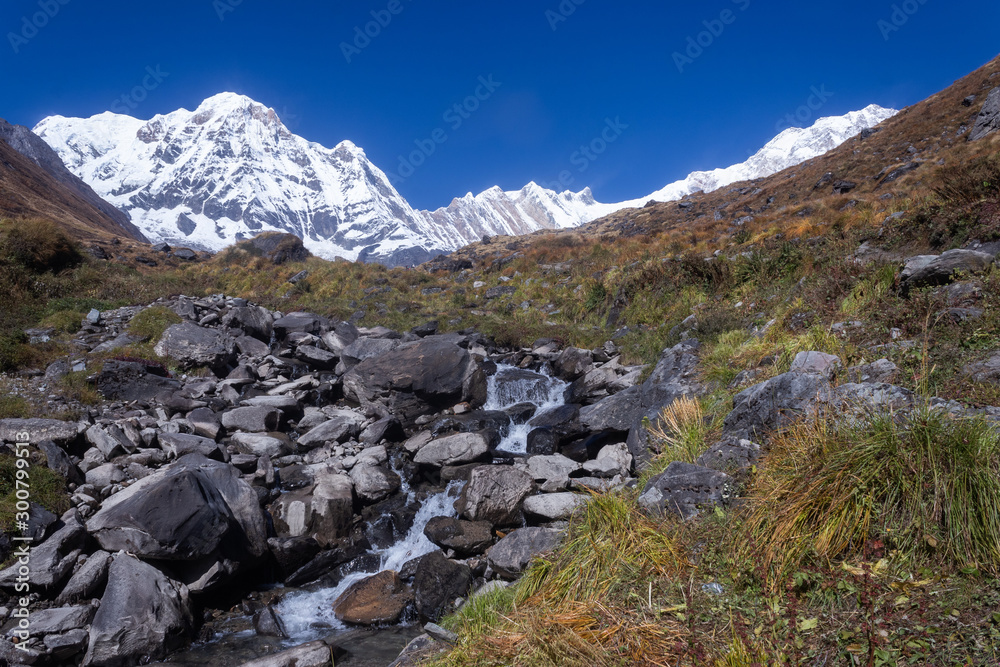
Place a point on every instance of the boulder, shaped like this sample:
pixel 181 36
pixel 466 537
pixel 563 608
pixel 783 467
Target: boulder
pixel 213 515
pixel 552 471
pixel 89 580
pixel 988 120
pixel 253 321
pixel 554 506
pixel 816 362
pixel 574 363
pixel 52 561
pixel 205 422
pixel 374 483
pixel 438 583
pixel 252 419
pixel 943 268
pixel 191 345
pixel 611 461
pixel 986 371
pixel 341 425
pixel 259 444
pixel 278 247
pixel 731 457
pixel 685 489
pixel 510 556
pixel 416 379
pixel 386 428
pixel 338 338
pixel 177 445
pixel 775 403
pixel 143 615
pixel 324 510
pixel 299 322
pixel 316 357
pixel 380 598
pixel 312 654
pixel 37 430
pixel 133 381
pixel 542 441
pixel 467 538
pixel 453 450
pixel 495 494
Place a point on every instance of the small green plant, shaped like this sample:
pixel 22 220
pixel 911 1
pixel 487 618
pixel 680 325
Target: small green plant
pixel 48 489
pixel 152 322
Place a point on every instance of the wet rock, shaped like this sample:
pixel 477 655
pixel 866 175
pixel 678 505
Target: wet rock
pixel 438 583
pixel 495 494
pixel 191 345
pixel 467 538
pixel 291 553
pixel 143 615
pixel 542 441
pixel 510 556
pixel 686 489
pixel 267 624
pixel 380 598
pixel 312 654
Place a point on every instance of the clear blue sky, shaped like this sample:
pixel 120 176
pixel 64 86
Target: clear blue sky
pixel 559 80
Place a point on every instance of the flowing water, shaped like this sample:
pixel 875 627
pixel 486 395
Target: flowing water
pixel 510 386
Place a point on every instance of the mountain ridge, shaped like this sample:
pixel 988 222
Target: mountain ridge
pixel 230 169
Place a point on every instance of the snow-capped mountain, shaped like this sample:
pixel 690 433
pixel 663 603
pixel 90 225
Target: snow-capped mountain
pixel 793 146
pixel 230 169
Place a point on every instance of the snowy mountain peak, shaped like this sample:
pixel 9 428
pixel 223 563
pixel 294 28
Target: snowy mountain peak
pixel 230 169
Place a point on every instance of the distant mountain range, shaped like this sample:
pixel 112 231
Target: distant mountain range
pixel 230 169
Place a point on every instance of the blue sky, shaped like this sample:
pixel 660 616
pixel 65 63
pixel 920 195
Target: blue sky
pixel 677 86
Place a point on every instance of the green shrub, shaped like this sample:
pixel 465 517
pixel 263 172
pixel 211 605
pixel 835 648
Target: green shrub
pixel 150 323
pixel 38 245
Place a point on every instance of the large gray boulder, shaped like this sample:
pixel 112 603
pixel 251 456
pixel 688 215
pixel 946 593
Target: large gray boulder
pixel 453 450
pixel 253 321
pixel 374 483
pixel 776 403
pixel 510 556
pixel 943 268
pixel 300 322
pixel 675 376
pixel 133 381
pixel 214 520
pixel 495 494
pixel 143 615
pixel 686 489
pixel 341 425
pixel 252 419
pixel 313 654
pixel 191 345
pixel 988 120
pixel 416 379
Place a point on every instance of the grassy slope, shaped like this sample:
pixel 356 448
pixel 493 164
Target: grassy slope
pixel 628 589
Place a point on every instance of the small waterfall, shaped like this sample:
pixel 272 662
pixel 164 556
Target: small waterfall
pixel 511 385
pixel 309 615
